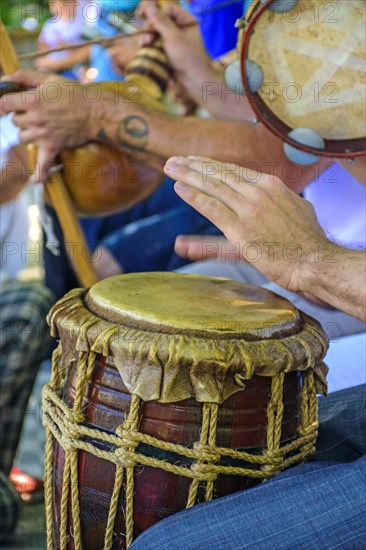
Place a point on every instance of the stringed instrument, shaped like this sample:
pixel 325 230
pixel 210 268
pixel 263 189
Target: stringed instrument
pixel 55 189
pixel 101 179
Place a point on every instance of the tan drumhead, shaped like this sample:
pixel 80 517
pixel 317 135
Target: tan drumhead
pixel 191 304
pixel 313 58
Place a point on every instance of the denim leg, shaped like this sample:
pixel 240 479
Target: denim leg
pixel 342 430
pixel 319 505
pixel 162 200
pixel 60 276
pixel 311 507
pixel 148 244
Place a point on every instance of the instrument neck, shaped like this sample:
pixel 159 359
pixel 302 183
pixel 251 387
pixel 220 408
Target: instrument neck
pixel 151 69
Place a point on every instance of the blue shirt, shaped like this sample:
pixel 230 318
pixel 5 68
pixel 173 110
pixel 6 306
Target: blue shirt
pixel 217 27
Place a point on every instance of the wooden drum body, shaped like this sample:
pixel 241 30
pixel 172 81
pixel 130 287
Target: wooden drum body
pixel 168 390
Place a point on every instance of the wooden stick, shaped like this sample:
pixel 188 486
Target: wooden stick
pixel 71 228
pixel 55 186
pixel 9 60
pixel 102 41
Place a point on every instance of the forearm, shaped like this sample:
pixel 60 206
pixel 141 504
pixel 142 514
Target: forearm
pixel 229 141
pixel 337 276
pixel 75 57
pixel 207 88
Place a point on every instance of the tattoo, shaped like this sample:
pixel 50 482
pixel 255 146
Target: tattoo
pixel 133 132
pixel 103 136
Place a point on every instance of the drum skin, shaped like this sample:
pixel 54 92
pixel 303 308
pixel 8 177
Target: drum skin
pixel 158 494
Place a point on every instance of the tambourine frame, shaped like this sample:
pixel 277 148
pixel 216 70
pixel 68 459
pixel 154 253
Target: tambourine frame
pixel 349 148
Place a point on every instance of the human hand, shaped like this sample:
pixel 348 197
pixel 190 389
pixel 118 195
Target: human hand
pixel 54 115
pixel 275 229
pixel 207 247
pixel 181 38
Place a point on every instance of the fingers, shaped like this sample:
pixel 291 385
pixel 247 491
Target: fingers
pixel 193 174
pixel 27 77
pixel 45 159
pixel 18 102
pixel 140 12
pixel 178 14
pixel 237 177
pixel 146 39
pixel 26 119
pixel 162 23
pixel 213 209
pixel 172 9
pixel 197 247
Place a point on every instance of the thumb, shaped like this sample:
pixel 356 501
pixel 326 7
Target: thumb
pixel 197 247
pixel 206 247
pixel 26 77
pixel 162 23
pixel 45 162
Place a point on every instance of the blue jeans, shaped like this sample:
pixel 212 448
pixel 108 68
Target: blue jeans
pixel 145 239
pixel 319 505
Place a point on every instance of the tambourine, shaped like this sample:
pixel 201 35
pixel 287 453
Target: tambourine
pixel 302 66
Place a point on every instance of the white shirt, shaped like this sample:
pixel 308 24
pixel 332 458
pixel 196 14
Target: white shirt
pixel 340 204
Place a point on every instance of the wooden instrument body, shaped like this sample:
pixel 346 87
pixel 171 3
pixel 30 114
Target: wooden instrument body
pixel 159 494
pixel 101 179
pixel 168 390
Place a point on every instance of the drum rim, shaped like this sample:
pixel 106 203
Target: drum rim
pixel 170 367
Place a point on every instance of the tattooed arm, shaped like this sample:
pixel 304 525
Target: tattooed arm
pixel 61 113
pixel 157 134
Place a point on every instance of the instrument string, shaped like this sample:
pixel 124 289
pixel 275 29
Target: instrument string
pixel 119 36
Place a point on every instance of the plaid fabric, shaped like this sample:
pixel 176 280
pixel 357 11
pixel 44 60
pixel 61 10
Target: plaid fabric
pixel 24 341
pixel 10 505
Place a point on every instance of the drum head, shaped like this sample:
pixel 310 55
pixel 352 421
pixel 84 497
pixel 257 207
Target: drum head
pixel 192 304
pixel 313 62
